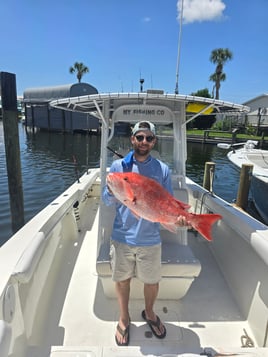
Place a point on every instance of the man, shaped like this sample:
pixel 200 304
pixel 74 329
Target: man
pixel 136 243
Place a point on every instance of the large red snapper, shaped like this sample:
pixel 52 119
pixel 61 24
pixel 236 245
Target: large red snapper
pixel 146 198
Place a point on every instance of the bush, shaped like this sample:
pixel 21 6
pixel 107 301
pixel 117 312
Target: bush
pixel 250 130
pixel 224 125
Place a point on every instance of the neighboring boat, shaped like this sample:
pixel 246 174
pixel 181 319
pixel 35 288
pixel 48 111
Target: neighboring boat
pixel 259 182
pixel 56 294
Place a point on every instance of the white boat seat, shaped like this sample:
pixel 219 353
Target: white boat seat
pixel 177 260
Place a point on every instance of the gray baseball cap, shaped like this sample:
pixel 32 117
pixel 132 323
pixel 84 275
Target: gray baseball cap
pixel 143 125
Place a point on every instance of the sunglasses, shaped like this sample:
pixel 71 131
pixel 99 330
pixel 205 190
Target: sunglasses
pixel 148 138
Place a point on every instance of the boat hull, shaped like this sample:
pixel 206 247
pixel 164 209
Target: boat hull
pixel 259 182
pixel 259 190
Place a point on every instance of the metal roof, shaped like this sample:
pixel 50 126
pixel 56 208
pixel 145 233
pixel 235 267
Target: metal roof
pixel 94 103
pixel 47 94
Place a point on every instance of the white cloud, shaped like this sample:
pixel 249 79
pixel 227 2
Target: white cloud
pixel 200 10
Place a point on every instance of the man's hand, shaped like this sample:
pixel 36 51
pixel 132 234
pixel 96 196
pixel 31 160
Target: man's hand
pixel 182 222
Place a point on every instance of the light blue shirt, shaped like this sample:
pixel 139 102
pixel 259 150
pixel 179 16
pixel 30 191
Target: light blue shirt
pixel 127 228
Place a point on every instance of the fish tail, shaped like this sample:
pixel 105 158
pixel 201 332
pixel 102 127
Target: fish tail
pixel 203 224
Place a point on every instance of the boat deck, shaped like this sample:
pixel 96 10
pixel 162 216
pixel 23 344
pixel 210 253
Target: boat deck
pixel 80 317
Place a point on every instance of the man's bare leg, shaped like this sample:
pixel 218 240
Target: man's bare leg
pixel 122 291
pixel 150 295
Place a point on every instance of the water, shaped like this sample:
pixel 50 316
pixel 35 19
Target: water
pixel 48 168
pixel 51 162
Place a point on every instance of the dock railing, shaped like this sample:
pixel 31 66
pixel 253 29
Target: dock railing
pixel 216 134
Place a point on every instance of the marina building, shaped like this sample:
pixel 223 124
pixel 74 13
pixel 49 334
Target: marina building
pixel 39 114
pixel 258 115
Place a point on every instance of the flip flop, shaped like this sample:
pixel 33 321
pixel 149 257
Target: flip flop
pixel 123 333
pixel 153 324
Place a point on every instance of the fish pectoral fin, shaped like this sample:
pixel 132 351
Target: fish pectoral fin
pixel 170 227
pixel 130 194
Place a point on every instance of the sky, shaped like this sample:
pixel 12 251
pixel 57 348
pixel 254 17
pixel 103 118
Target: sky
pixel 122 41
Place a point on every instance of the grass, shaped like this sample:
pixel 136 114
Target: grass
pixel 224 134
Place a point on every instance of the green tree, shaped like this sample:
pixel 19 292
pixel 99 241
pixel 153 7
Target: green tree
pixel 219 56
pixel 80 69
pixel 202 93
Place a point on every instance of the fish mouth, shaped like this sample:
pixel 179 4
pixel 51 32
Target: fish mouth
pixel 109 182
pixel 109 178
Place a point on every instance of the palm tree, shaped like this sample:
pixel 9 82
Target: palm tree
pixel 219 56
pixel 80 70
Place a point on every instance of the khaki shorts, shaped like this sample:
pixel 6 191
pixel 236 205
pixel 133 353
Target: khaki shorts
pixel 142 262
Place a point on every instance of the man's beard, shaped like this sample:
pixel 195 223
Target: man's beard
pixel 143 152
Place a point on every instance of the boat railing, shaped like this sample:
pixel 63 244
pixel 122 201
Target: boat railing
pixel 34 249
pixel 246 227
pixel 27 263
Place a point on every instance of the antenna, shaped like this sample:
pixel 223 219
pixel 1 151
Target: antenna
pixel 141 83
pixel 179 51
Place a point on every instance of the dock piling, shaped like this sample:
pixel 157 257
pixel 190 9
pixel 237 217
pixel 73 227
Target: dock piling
pixel 209 176
pixel 244 185
pixel 11 135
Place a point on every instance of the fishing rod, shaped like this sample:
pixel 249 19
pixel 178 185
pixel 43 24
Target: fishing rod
pixel 115 152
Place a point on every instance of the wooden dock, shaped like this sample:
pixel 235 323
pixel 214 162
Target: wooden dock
pixel 215 137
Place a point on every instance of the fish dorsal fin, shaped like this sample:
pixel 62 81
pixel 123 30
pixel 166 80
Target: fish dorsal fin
pixel 182 205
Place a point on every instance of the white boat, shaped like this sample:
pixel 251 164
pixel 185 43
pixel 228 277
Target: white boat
pixel 259 182
pixel 56 294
